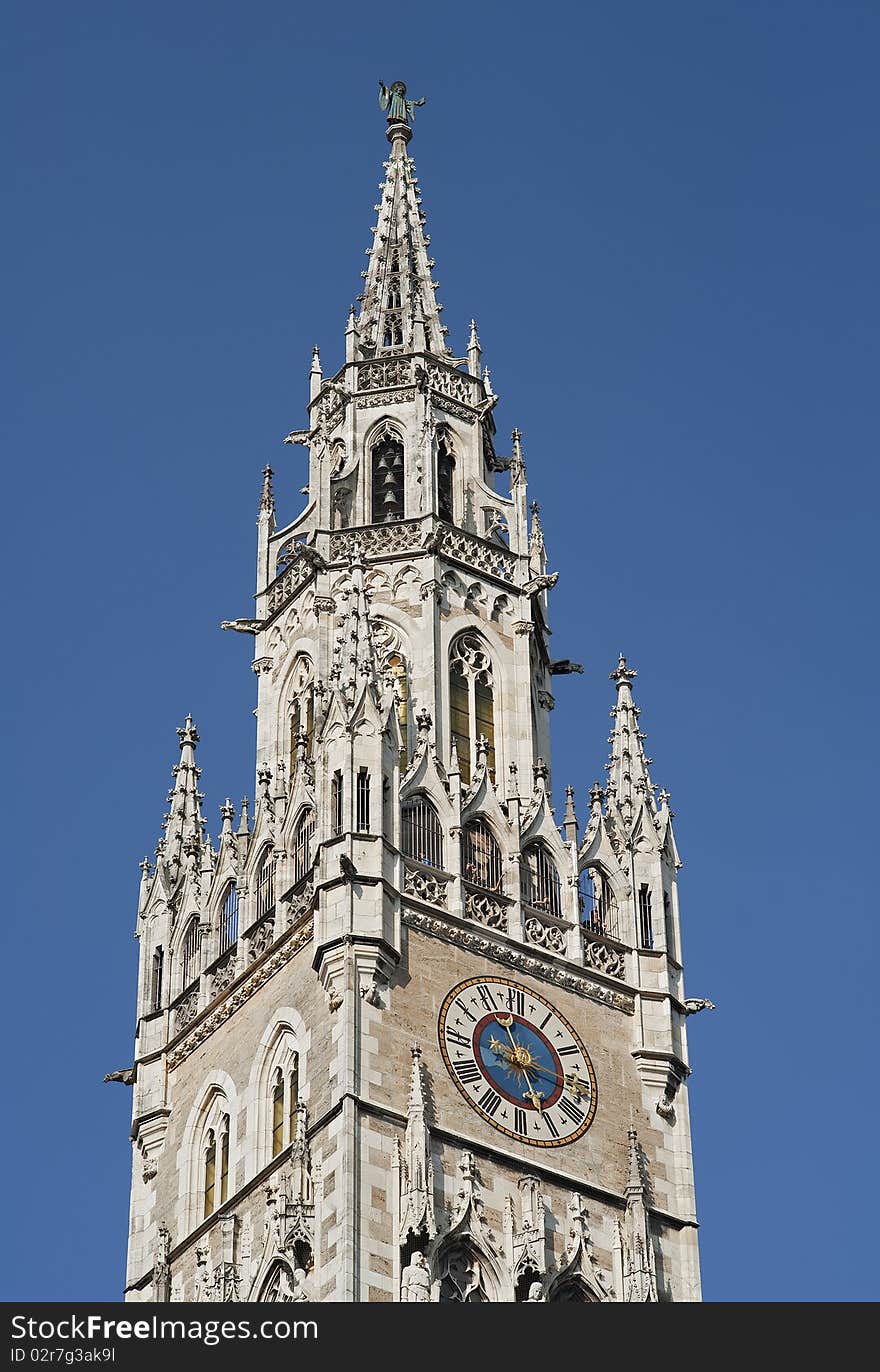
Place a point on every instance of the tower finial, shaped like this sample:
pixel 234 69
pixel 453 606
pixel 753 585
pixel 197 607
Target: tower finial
pixel 401 113
pixel 267 498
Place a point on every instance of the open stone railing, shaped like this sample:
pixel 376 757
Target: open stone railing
pixel 479 553
pixel 186 1011
pixel 259 937
pixel 426 884
pixel 545 931
pixel 603 955
pixel 377 540
pixel 290 580
pixel 485 908
pixel 224 972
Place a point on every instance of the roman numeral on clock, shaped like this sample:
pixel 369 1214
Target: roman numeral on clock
pixel 465 1011
pixel 574 1112
pixel 548 1120
pixel 467 1070
pixel 453 1036
pixel 519 1121
pixel 486 997
pixel 566 1052
pixel 516 1001
pixel 489 1101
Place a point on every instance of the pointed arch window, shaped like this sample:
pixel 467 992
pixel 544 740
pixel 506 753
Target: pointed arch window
pixel 210 1174
pixel 542 888
pixel 337 808
pixel 302 711
pixel 597 902
pixel 481 856
pixel 363 801
pixel 445 478
pixel 277 1113
pixel 158 972
pixel 229 918
pixel 462 1279
pixel 422 834
pixel 293 1097
pixel 302 845
pixel 266 885
pixel 471 701
pixel 190 953
pixel 387 478
pixel 224 1159
pixel 646 923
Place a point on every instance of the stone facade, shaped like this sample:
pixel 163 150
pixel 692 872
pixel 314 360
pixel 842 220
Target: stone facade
pixel 300 1128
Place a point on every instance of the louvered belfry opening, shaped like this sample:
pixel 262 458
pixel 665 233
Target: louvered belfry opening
pixel 387 480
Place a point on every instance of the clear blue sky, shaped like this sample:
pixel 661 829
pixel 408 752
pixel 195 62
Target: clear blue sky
pixel 665 219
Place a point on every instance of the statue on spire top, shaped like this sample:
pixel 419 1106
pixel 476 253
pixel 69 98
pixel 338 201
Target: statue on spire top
pixel 393 99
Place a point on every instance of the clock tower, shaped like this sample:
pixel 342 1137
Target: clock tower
pixel 400 1034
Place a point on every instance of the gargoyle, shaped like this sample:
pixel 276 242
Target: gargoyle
pixel 242 626
pixel 126 1076
pixel 693 1007
pixel 563 666
pixel 540 583
pixel 303 436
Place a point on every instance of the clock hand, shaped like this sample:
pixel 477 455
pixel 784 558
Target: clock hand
pixel 536 1097
pixel 570 1082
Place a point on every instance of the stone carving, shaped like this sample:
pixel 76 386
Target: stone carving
pixel 485 909
pixel 415 1282
pixel 536 1293
pixel 186 1011
pixel 224 974
pixel 425 886
pixel 450 381
pixel 285 585
pixel 451 407
pixel 603 958
pixel 367 402
pixel 260 938
pixel 546 935
pixel 510 955
pixel 290 944
pixel 376 541
pixel 374 375
pixel 479 553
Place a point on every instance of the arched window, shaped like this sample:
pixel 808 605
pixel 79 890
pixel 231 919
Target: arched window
pixel 480 856
pixel 363 801
pixel 224 1159
pixel 598 906
pixel 421 832
pixel 541 884
pixel 302 845
pixel 277 1113
pixel 337 808
pixel 210 1174
pixel 471 705
pixel 190 953
pixel 266 885
pixel 156 980
pixel 293 1097
pixel 387 468
pixel 462 1278
pixel 572 1289
pixel 445 478
pixel 302 710
pixel 229 918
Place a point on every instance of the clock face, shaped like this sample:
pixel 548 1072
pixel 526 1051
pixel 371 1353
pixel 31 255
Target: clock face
pixel 517 1061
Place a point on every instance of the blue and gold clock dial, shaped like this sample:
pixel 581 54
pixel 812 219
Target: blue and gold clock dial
pixel 517 1061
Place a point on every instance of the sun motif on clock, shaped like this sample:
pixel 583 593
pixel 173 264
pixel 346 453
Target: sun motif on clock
pixel 517 1061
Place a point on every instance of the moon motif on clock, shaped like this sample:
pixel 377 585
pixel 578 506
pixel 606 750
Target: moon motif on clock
pixel 517 1061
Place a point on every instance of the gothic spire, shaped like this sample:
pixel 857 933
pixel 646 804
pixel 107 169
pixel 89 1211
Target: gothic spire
pixel 399 309
pixel 184 824
pixel 354 653
pixel 628 779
